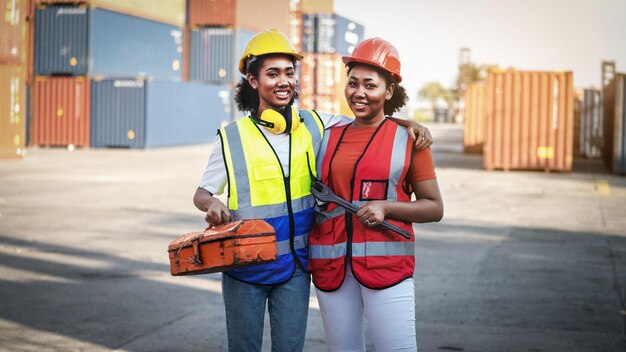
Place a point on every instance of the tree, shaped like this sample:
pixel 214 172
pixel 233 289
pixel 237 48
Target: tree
pixel 432 92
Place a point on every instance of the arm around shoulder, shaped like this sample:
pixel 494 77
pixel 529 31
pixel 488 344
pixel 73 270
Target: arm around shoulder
pixel 418 132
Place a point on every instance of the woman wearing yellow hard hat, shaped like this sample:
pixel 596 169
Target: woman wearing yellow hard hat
pixel 268 161
pixel 359 267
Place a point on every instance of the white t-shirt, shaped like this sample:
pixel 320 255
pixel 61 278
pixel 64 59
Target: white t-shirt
pixel 214 178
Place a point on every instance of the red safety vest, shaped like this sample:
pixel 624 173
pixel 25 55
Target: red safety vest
pixel 379 257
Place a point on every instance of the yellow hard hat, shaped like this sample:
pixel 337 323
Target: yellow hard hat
pixel 268 42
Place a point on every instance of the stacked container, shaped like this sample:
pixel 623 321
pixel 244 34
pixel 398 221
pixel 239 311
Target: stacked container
pixel 13 58
pixel 614 153
pixel 529 120
pixel 109 74
pixel 74 43
pixel 325 37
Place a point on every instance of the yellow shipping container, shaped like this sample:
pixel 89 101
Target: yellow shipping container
pixel 317 6
pixel 169 11
pixel 12 111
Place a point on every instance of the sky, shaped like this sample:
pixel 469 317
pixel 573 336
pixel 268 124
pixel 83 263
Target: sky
pixel 542 35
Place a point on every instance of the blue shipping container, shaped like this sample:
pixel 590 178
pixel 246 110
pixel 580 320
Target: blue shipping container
pixel 61 40
pixel 330 33
pixel 135 113
pixel 76 40
pixel 211 56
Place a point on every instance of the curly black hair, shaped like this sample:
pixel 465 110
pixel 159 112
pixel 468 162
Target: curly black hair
pixel 399 97
pixel 246 97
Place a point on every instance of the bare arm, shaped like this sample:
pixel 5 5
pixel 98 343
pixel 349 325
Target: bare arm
pixel 427 208
pixel 216 212
pixel 420 134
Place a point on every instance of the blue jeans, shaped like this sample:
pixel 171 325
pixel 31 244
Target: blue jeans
pixel 288 307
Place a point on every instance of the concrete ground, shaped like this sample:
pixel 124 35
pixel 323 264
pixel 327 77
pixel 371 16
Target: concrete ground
pixel 523 261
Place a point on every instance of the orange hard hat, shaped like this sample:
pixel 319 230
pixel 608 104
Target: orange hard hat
pixel 376 52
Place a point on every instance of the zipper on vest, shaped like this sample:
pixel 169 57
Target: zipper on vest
pixel 349 229
pixel 292 226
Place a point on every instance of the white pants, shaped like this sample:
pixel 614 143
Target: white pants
pixel 390 313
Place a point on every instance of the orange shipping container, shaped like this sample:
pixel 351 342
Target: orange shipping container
pixel 474 115
pixel 61 111
pixel 211 12
pixel 530 120
pixel 13 34
pixel 255 16
pixel 12 110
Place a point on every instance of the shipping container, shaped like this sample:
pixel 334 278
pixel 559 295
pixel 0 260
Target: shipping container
pixel 474 118
pixel 254 16
pixel 614 152
pixel 323 78
pixel 589 111
pixel 211 12
pixel 12 111
pixel 317 6
pixel 529 120
pixel 323 74
pixel 170 11
pixel 61 40
pixel 13 29
pixel 257 16
pixel 214 53
pixel 76 40
pixel 330 33
pixel 60 111
pixel 139 113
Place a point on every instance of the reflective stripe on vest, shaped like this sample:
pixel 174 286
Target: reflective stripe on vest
pixel 299 242
pixel 362 249
pixel 398 154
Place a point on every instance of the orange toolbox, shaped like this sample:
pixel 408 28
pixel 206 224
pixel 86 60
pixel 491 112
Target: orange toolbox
pixel 234 245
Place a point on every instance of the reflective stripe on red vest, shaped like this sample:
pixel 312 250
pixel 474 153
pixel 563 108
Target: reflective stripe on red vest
pixel 379 258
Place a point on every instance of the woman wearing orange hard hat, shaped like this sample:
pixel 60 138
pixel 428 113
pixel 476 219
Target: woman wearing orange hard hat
pixel 358 266
pixel 267 159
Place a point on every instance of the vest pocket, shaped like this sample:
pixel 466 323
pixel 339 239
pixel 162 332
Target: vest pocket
pixel 382 250
pixel 324 253
pixel 266 172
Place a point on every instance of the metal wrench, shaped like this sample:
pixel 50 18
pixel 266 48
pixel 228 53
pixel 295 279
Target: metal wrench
pixel 323 193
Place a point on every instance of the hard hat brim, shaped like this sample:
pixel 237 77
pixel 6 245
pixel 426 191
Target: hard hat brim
pixel 242 64
pixel 349 59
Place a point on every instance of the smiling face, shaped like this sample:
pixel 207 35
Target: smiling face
pixel 366 93
pixel 275 82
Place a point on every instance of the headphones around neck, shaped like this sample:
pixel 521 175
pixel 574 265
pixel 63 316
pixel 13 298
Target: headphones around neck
pixel 277 122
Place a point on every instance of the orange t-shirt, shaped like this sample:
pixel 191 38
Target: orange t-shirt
pixel 351 147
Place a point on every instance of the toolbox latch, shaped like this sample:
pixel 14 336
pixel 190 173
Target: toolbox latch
pixel 195 244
